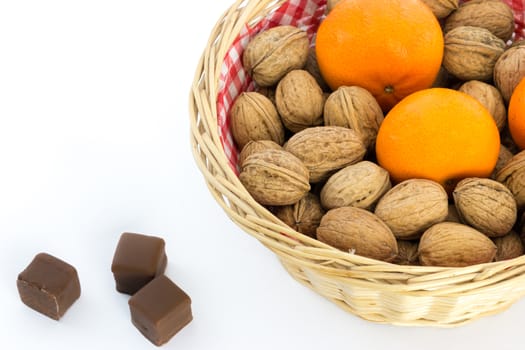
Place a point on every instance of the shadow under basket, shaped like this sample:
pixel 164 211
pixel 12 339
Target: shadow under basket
pixel 374 290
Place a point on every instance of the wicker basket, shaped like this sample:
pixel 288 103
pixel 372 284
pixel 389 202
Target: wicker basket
pixel 374 290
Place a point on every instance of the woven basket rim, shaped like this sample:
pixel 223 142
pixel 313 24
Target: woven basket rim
pixel 290 246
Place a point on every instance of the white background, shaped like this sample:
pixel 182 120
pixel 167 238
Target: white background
pixel 94 141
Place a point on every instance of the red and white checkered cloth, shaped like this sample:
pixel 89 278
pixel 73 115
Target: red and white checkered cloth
pixel 518 6
pixel 305 14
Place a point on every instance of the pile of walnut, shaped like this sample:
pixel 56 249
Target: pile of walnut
pixel 307 153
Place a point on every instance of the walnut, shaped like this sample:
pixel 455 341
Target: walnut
pixel 299 101
pixel 358 231
pixel 312 67
pixel 358 185
pixel 486 205
pixel 254 117
pixel 509 246
pixel 509 70
pixel 274 52
pixel 326 149
pixel 471 52
pixel 493 15
pixel 303 216
pixel 512 175
pixel 355 108
pixel 275 177
pixel 490 97
pixel 254 147
pixel 412 206
pixel 503 158
pixel 454 245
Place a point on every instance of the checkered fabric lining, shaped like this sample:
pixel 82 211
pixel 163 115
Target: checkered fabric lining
pixel 518 6
pixel 305 14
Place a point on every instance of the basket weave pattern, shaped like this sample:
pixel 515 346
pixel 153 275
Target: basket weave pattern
pixel 371 289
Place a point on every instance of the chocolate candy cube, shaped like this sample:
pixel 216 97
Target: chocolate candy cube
pixel 160 309
pixel 138 259
pixel 48 285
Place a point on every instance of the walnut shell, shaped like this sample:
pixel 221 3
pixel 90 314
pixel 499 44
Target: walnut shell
pixel 509 246
pixel 254 117
pixel 442 8
pixel 303 216
pixel 407 253
pixel 512 176
pixel 299 101
pixel 493 15
pixel 358 185
pixel 454 245
pixel 503 158
pixel 412 206
pixel 355 108
pixel 326 149
pixel 358 231
pixel 275 177
pixel 489 97
pixel 274 52
pixel 509 70
pixel 486 205
pixel 254 147
pixel 471 52
pixel 312 67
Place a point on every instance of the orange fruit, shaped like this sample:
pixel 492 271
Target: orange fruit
pixel 438 134
pixel 389 47
pixel 516 115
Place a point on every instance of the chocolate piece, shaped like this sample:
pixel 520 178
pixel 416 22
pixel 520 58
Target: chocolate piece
pixel 160 309
pixel 138 259
pixel 48 285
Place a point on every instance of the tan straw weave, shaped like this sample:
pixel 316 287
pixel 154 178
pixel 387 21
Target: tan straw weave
pixel 374 290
